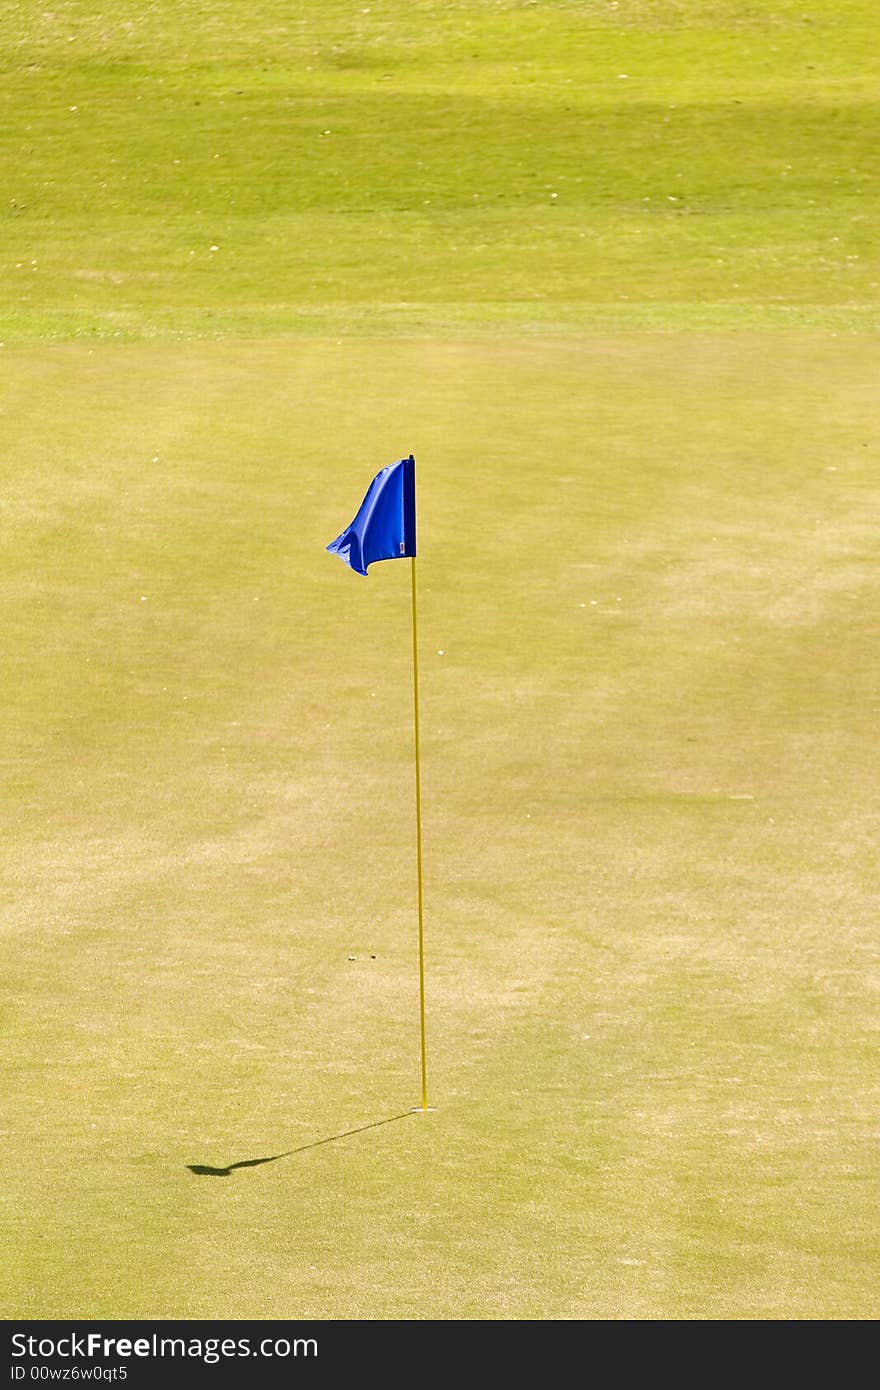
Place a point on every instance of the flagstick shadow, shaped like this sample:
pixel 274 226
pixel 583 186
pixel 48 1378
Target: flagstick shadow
pixel 204 1171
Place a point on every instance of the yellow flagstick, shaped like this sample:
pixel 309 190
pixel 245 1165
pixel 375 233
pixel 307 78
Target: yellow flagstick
pixel 415 628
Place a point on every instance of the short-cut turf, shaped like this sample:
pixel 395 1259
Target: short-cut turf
pixel 648 602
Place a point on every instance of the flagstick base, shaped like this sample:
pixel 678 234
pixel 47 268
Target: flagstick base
pixel 423 1110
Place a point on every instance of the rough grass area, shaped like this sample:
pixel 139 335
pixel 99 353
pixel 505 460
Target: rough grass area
pixel 649 599
pixel 191 170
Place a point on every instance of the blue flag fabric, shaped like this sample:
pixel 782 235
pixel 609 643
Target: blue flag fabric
pixel 385 526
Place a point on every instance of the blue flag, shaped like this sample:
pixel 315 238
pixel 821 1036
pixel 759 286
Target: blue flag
pixel 385 526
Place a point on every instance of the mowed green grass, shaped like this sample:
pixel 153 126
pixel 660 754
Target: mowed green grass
pixel 648 596
pixel 190 170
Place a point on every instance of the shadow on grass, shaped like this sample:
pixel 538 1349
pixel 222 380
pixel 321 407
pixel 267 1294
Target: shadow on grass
pixel 204 1171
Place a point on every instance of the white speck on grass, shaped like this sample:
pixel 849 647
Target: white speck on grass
pixel 440 651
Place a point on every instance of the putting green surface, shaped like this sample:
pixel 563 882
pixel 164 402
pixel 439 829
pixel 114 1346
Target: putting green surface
pixel 648 605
